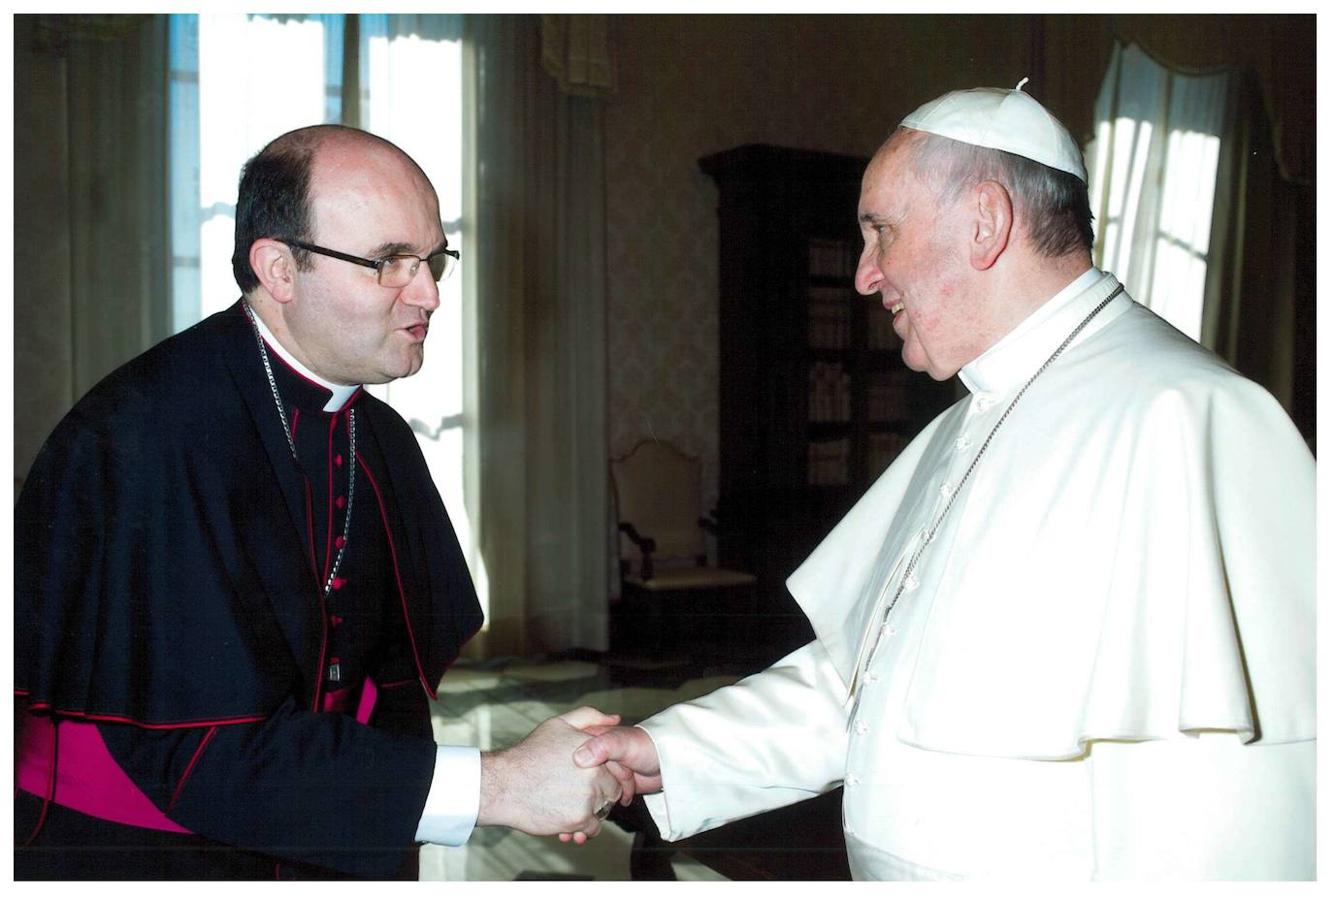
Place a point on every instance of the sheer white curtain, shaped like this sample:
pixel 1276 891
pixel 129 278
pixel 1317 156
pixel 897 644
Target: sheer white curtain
pixel 539 213
pixel 411 91
pixel 1154 182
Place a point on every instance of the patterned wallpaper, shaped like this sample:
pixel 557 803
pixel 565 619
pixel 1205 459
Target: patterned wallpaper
pixel 689 86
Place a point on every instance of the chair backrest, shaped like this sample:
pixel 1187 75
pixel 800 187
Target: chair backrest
pixel 657 490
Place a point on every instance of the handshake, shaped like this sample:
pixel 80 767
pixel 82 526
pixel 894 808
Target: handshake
pixel 567 775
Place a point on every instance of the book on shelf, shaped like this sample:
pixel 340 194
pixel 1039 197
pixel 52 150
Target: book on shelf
pixel 829 462
pixel 830 326
pixel 830 393
pixel 886 398
pixel 882 449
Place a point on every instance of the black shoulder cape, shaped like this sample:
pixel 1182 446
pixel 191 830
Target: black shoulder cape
pixel 159 575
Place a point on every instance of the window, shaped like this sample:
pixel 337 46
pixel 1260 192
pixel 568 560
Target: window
pixel 239 80
pixel 1153 179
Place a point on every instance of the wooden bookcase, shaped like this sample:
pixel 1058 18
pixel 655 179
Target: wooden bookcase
pixel 815 401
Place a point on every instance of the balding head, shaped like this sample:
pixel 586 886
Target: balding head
pixel 278 185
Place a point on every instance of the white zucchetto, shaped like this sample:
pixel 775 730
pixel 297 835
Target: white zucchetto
pixel 1002 120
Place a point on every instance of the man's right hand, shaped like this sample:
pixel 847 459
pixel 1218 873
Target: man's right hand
pixel 533 786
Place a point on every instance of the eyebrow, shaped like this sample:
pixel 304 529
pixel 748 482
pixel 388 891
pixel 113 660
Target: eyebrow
pixel 396 248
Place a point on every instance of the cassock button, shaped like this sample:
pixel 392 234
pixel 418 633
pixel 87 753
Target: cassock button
pixel 338 460
pixel 861 726
pixel 339 541
pixel 962 443
pixel 911 583
pixel 852 780
pixel 872 677
pixel 946 490
pixel 340 502
pixel 335 620
pixel 338 583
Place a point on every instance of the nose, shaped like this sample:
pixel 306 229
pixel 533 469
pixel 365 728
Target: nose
pixel 422 290
pixel 869 278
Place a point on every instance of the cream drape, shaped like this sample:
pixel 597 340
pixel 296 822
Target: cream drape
pixel 576 50
pixel 540 389
pixel 1276 51
pixel 90 234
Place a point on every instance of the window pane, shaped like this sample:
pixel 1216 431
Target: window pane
pixel 183 175
pixel 1158 143
pixel 238 81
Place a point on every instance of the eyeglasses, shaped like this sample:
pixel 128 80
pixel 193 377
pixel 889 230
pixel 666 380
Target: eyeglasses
pixel 396 270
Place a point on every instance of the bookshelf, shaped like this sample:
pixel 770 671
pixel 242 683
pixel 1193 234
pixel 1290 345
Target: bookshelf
pixel 815 401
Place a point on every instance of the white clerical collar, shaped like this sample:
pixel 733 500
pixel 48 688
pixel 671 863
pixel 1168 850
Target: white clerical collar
pixel 1014 357
pixel 340 392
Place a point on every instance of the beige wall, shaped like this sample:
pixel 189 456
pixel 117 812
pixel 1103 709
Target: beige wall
pixel 689 86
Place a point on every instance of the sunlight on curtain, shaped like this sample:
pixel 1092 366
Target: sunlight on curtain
pixel 1154 174
pixel 411 93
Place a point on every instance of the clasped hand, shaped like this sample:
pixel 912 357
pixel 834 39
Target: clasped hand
pixel 628 754
pixel 536 787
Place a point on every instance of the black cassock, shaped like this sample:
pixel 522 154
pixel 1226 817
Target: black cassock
pixel 170 561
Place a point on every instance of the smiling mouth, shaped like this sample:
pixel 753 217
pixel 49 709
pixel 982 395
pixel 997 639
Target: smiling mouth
pixel 896 308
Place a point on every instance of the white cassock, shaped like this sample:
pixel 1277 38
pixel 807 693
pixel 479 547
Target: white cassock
pixel 1103 665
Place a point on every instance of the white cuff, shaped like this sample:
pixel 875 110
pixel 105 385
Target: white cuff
pixel 454 799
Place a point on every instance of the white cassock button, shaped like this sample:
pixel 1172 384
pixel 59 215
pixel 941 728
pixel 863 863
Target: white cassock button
pixel 962 443
pixel 847 828
pixel 946 490
pixel 911 583
pixel 871 678
pixel 861 726
pixel 852 780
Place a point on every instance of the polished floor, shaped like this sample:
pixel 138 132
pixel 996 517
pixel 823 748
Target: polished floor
pixel 496 704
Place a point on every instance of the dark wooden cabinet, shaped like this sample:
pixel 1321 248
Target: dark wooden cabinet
pixel 815 401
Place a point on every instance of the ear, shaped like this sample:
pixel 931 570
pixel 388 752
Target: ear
pixel 274 267
pixel 993 224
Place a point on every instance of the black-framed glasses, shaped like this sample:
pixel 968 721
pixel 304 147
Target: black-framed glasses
pixel 395 270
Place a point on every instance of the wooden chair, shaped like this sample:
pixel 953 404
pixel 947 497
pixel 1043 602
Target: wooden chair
pixel 673 601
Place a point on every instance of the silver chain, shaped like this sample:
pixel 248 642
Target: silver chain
pixel 934 528
pixel 287 431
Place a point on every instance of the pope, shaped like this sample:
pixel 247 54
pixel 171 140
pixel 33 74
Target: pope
pixel 1069 633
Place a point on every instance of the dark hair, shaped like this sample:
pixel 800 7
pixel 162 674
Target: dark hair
pixel 273 200
pixel 1054 202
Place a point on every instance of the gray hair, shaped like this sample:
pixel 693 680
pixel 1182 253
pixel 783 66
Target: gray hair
pixel 1054 203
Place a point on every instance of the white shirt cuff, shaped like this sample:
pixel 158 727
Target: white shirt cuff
pixel 454 798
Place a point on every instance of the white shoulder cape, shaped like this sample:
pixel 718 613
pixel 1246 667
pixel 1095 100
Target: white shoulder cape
pixel 1133 559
